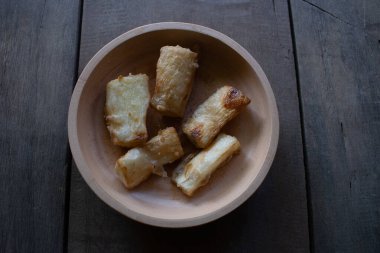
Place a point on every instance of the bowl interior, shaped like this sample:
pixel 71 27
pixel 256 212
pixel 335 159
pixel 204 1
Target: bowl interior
pixel 219 65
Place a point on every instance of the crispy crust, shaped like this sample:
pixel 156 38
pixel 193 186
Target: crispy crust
pixel 127 102
pixel 134 167
pixel 208 119
pixel 139 163
pixel 165 147
pixel 192 174
pixel 175 72
pixel 235 99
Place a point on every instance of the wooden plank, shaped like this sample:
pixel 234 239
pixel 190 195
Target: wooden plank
pixel 275 218
pixel 38 44
pixel 339 78
pixel 364 14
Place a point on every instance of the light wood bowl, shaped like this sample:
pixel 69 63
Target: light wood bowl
pixel 157 201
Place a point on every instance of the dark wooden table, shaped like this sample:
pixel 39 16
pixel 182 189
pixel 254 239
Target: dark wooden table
pixel 322 193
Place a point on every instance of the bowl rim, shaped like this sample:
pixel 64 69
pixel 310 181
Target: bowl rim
pixel 84 169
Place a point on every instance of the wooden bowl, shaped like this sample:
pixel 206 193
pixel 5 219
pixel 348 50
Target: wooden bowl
pixel 157 201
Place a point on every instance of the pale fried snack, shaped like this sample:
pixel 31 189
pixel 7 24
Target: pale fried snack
pixel 190 175
pixel 127 102
pixel 139 163
pixel 175 72
pixel 207 120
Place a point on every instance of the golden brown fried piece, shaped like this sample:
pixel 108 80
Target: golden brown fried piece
pixel 175 72
pixel 127 101
pixel 207 120
pixel 189 176
pixel 139 163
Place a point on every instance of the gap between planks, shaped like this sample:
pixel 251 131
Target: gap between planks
pixel 69 157
pixel 304 149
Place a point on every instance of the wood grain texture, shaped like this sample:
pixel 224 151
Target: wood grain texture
pixel 339 78
pixel 363 14
pixel 38 44
pixel 275 218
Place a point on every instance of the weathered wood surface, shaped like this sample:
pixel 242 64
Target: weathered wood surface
pixel 363 14
pixel 38 45
pixel 275 218
pixel 338 54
